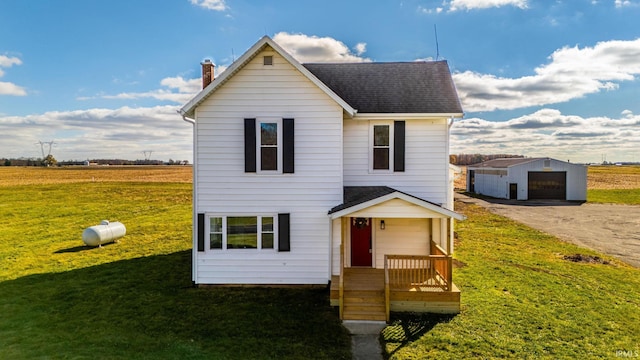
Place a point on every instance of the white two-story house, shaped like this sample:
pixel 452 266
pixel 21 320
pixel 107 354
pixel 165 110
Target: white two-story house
pixel 317 174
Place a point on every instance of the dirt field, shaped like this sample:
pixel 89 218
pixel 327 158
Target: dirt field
pixel 14 175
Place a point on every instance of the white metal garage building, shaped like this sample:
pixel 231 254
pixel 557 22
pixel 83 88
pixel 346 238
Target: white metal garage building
pixel 528 179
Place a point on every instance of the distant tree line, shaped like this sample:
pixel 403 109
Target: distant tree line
pixel 470 159
pixel 51 161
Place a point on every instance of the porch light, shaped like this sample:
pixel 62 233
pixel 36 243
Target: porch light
pixel 382 226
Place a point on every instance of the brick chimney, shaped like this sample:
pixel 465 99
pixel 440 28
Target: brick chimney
pixel 207 72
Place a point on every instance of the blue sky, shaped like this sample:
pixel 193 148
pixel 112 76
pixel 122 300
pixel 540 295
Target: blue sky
pixel 103 79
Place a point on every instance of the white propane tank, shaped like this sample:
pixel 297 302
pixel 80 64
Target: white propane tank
pixel 104 233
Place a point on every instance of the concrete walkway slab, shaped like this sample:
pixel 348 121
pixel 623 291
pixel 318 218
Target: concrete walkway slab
pixel 365 335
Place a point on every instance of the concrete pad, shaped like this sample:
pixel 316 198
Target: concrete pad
pixel 365 335
pixel 362 327
pixel 366 347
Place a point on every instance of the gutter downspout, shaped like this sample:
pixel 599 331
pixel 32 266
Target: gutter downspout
pixel 194 216
pixel 193 122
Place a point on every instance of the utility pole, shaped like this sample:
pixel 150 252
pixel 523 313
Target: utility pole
pixel 42 144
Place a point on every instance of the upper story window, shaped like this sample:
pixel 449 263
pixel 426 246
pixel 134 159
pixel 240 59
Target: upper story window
pixel 387 146
pixel 269 146
pixel 269 149
pixel 381 147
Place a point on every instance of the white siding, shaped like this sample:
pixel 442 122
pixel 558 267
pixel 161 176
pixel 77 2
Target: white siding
pixel 414 234
pixel 426 159
pixel 223 188
pixel 493 185
pixel 396 208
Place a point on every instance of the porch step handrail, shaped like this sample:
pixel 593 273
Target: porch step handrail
pixel 418 271
pixel 341 283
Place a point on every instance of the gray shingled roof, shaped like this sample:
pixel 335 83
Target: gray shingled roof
pixel 356 195
pixel 504 162
pixel 396 87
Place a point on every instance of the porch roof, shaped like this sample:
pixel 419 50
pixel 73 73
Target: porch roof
pixel 361 197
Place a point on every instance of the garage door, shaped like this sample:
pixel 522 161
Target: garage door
pixel 548 185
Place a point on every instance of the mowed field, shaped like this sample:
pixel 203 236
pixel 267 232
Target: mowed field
pixel 598 178
pixel 15 175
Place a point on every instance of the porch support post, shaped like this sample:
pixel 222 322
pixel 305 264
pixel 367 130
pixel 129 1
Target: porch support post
pixel 444 235
pixel 449 238
pixel 387 290
pixel 341 281
pixel 450 242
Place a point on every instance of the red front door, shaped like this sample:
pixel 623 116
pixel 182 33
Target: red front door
pixel 360 242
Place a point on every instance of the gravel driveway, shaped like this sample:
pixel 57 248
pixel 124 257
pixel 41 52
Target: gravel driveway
pixel 608 228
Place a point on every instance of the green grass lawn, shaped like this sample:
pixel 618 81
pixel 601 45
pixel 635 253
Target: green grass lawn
pixel 614 196
pixel 134 299
pixel 521 299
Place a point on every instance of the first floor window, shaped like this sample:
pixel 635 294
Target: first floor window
pixel 241 232
pixel 267 232
pixel 215 234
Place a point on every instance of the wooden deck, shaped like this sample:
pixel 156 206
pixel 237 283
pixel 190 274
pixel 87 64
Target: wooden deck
pixel 364 296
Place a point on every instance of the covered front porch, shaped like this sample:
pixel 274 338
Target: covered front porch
pixel 392 253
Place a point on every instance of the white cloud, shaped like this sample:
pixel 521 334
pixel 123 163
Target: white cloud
pixel 484 4
pixel 7 88
pixel 308 49
pixel 572 73
pixel 360 48
pixel 623 3
pixel 216 5
pixel 461 5
pixel 6 61
pixel 548 132
pixel 99 133
pixel 186 89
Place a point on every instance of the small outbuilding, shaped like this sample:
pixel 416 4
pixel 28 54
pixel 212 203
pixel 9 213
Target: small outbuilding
pixel 528 179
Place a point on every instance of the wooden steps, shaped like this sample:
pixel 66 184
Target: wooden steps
pixel 364 294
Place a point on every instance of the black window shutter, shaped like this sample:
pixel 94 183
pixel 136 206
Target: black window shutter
pixel 200 232
pixel 249 145
pixel 398 145
pixel 287 146
pixel 284 232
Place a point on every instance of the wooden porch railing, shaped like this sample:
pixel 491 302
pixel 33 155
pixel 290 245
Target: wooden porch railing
pixel 417 271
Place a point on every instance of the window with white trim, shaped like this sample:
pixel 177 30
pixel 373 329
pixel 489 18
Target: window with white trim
pixel 242 232
pixel 381 145
pixel 269 151
pixel 269 146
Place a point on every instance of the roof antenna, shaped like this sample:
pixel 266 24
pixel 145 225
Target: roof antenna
pixel 435 30
pixel 233 55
